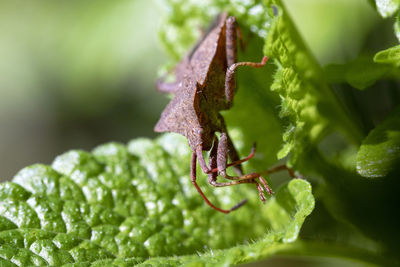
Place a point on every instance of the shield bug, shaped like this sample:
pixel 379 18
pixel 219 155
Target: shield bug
pixel 204 85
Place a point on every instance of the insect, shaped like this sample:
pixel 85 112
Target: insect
pixel 204 85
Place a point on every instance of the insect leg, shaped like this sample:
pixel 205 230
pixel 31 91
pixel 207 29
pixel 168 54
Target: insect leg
pixel 221 165
pixel 281 168
pixel 202 161
pixel 225 141
pixel 222 154
pixel 234 156
pixel 207 169
pixel 231 55
pixel 193 179
pixel 231 41
pixel 232 152
pixel 234 163
pixel 248 179
pixel 230 84
pixel 212 176
pixel 223 150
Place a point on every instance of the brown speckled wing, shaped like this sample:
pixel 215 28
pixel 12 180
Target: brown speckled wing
pixel 205 51
pixel 179 115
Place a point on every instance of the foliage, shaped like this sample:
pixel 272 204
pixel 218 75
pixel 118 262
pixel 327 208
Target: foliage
pixel 122 204
pixel 380 151
pixel 126 205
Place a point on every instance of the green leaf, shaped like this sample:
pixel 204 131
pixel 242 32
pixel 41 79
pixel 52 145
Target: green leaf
pixel 387 8
pixel 379 153
pixel 389 56
pixel 123 205
pixel 307 101
pixel 360 73
pixel 287 211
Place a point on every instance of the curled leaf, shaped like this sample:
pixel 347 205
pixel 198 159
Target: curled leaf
pixel 360 73
pixel 379 153
pixel 389 56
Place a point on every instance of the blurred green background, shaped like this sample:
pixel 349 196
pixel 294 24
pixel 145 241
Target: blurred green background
pixel 75 74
